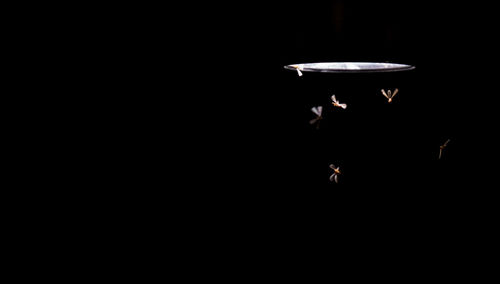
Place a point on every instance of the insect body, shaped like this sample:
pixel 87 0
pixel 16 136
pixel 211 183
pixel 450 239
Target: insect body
pixel 389 95
pixel 336 103
pixel 336 173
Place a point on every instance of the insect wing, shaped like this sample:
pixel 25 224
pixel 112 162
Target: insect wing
pixel 332 177
pixel 395 92
pixel 383 93
pixel 316 110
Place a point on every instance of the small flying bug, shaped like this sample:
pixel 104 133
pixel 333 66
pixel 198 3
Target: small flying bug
pixel 298 68
pixel 336 103
pixel 441 148
pixel 317 111
pixel 389 95
pixel 336 173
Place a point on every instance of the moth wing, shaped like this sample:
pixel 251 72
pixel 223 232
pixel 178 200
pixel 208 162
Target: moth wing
pixel 395 92
pixel 316 110
pixel 344 106
pixel 446 143
pixel 336 178
pixel 332 166
pixel 334 98
pixel 383 93
pixel 320 110
pixel 332 177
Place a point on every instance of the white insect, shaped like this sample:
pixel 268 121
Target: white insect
pixel 317 111
pixel 336 173
pixel 337 104
pixel 441 148
pixel 298 68
pixel 389 95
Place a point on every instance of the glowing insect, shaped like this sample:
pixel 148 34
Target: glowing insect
pixel 298 68
pixel 336 173
pixel 337 104
pixel 317 111
pixel 441 148
pixel 389 95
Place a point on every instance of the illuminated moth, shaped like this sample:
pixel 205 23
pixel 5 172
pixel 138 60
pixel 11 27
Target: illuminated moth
pixel 337 104
pixel 317 111
pixel 336 173
pixel 298 68
pixel 389 95
pixel 441 148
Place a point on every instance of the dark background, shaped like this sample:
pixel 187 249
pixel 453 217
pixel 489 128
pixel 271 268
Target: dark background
pixel 214 89
pixel 198 131
pixel 248 118
pixel 176 127
pixel 261 110
pixel 209 108
pixel 249 155
pixel 269 168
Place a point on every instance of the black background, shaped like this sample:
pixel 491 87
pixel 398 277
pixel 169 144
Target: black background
pixel 240 120
pixel 175 128
pixel 269 168
pixel 208 81
pixel 189 124
pixel 256 113
pixel 236 134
